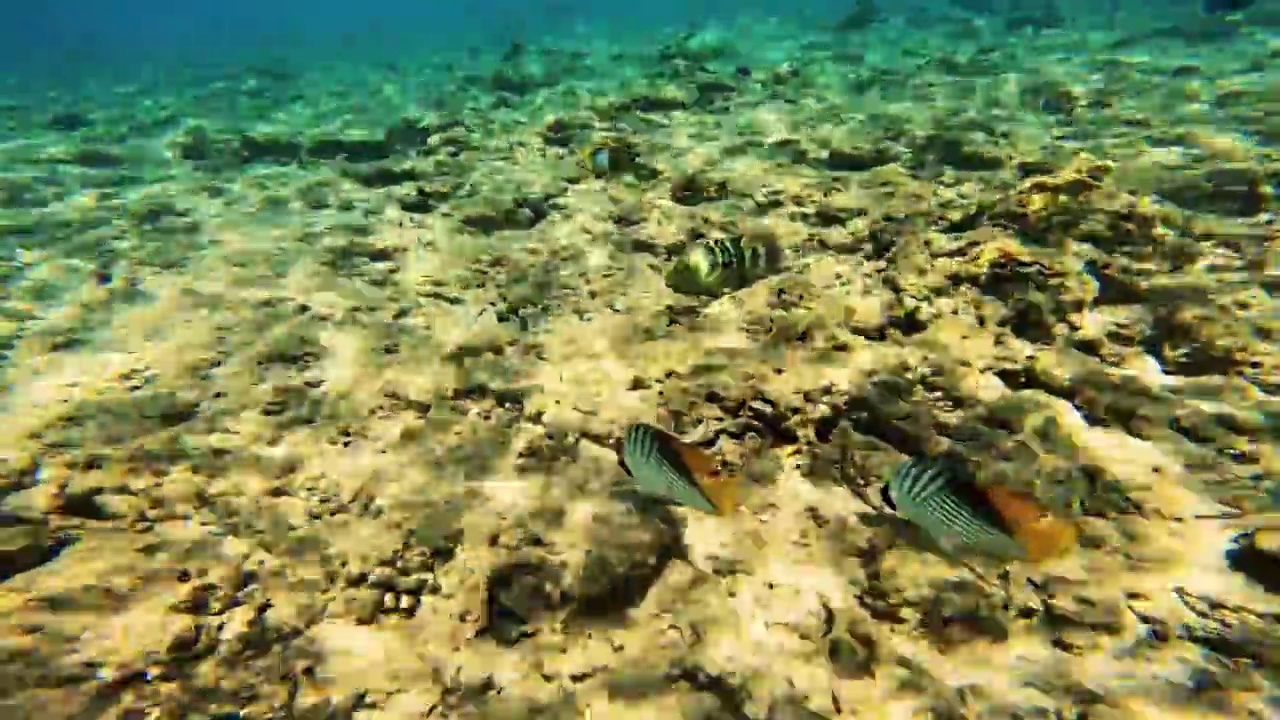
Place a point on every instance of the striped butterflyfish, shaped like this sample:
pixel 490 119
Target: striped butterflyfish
pixel 664 466
pixel 940 496
pixel 715 266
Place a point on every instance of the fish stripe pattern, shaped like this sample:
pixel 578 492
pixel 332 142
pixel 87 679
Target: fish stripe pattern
pixel 717 265
pixel 933 494
pixel 658 469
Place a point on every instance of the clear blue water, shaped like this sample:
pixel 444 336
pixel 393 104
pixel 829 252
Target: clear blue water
pixel 60 38
pixel 63 37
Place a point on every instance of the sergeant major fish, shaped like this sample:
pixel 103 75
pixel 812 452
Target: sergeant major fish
pixel 719 265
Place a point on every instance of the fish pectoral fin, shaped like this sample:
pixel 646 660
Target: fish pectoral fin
pixel 1007 550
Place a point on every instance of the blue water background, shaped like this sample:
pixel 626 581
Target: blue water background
pixel 59 40
pixel 62 37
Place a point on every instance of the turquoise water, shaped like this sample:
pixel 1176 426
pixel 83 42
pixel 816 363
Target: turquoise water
pixel 75 37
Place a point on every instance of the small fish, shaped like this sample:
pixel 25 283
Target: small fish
pixel 943 499
pixel 664 466
pixel 608 158
pixel 719 265
pixel 1221 7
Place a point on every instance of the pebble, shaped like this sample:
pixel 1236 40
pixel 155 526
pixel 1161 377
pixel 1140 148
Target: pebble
pixel 365 606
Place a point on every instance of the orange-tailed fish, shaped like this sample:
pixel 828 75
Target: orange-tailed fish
pixel 664 466
pixel 942 498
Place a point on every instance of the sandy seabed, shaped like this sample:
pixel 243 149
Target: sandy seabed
pixel 311 400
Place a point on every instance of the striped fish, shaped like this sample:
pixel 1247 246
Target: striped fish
pixel 663 466
pixel 608 158
pixel 719 265
pixel 942 498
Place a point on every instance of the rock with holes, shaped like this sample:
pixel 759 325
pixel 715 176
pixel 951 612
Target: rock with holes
pixel 519 596
pixel 792 709
pixel 26 545
pixel 1233 689
pixel 1080 614
pixel 853 650
pixel 214 593
pixel 1231 632
pixel 395 578
pixel 1256 555
pixel 962 612
pixel 622 556
pixel 696 188
pixel 908 575
pixel 1233 190
pixel 362 606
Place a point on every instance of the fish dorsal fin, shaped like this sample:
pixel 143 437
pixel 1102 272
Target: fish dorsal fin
pixel 1039 532
pixel 718 486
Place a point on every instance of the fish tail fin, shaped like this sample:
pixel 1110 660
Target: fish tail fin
pixel 1047 538
pixel 720 488
pixel 1041 534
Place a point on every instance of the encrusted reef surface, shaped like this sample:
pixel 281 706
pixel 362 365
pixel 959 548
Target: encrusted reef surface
pixel 311 400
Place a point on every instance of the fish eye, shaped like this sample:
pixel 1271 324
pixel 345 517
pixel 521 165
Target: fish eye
pixel 887 498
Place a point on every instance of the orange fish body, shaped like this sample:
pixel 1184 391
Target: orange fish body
pixel 1040 534
pixel 663 465
pixel 721 488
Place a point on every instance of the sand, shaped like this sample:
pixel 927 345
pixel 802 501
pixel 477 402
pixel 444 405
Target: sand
pixel 310 408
